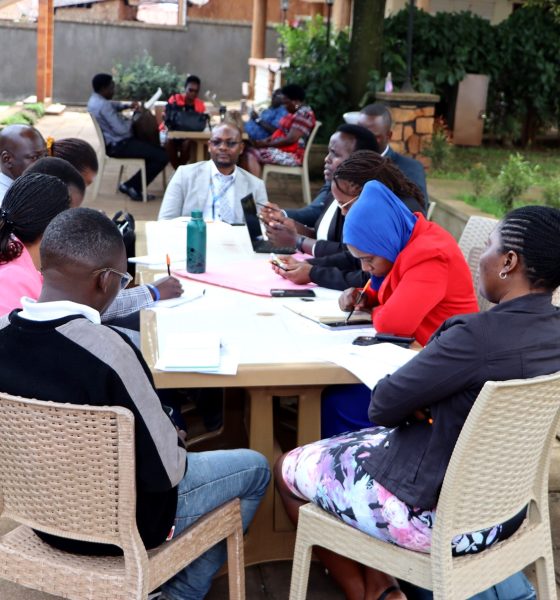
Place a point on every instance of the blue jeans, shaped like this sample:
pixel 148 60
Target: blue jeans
pixel 212 479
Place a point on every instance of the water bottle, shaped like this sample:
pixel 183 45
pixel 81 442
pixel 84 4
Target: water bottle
pixel 388 83
pixel 196 243
pixel 163 136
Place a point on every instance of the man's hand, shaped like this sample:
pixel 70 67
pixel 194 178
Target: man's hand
pixel 169 287
pixel 296 271
pixel 135 105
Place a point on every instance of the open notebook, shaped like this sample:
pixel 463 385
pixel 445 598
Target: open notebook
pixel 192 352
pixel 328 314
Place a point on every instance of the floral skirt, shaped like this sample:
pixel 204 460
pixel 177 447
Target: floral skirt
pixel 275 156
pixel 330 473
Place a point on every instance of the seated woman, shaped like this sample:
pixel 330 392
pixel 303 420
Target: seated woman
pixel 286 145
pixel 30 204
pixel 179 151
pixel 385 480
pixel 333 266
pixel 79 153
pixel 418 278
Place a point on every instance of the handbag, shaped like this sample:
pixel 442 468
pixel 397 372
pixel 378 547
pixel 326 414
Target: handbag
pixel 179 119
pixel 125 223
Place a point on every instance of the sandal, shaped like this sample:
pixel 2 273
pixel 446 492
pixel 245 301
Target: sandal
pixel 389 590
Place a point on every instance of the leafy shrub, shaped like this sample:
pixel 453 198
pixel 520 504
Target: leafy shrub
pixel 514 178
pixel 439 148
pixel 319 68
pixel 551 193
pixel 19 118
pixel 38 108
pixel 480 179
pixel 139 79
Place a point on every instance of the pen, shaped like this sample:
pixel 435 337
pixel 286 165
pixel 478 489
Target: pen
pixel 168 261
pixel 269 207
pixel 358 300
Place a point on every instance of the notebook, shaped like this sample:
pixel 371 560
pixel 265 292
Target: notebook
pixel 259 244
pixel 328 314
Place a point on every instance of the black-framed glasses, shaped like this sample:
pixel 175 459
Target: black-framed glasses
pixel 126 278
pixel 217 142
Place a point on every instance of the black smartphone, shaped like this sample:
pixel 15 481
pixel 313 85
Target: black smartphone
pixel 380 338
pixel 292 293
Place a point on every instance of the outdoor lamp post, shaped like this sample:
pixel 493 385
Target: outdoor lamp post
pixel 284 9
pixel 407 85
pixel 329 10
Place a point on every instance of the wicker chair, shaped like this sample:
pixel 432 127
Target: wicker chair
pixel 69 470
pixel 500 464
pixel 303 170
pixel 472 243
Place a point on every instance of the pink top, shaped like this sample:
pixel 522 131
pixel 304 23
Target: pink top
pixel 18 278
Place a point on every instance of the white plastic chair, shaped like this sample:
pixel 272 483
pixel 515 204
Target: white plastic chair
pixel 303 170
pixel 472 243
pixel 135 164
pixel 499 465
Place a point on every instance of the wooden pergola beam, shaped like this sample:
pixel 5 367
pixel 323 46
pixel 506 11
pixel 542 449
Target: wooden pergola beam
pixel 45 39
pixel 258 38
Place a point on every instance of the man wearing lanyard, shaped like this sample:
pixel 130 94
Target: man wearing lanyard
pixel 214 186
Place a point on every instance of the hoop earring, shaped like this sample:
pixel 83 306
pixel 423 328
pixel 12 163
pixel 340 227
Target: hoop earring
pixel 503 275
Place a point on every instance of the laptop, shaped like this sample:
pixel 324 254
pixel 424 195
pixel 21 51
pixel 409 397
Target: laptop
pixel 259 244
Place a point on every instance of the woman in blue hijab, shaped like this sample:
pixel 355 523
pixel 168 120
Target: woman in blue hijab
pixel 418 279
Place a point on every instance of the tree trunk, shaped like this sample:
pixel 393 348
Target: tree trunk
pixel 366 45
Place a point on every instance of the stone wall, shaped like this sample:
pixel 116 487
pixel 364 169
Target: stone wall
pixel 413 122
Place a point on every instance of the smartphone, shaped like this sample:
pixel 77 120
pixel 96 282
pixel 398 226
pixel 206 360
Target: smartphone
pixel 292 293
pixel 276 262
pixel 380 338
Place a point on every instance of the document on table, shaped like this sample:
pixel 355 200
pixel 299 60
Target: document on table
pixel 369 363
pixel 191 351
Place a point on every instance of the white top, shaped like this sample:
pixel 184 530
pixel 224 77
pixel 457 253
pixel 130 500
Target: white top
pixel 324 225
pixel 219 182
pixel 49 311
pixel 5 184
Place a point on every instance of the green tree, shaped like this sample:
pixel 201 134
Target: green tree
pixel 366 46
pixel 549 5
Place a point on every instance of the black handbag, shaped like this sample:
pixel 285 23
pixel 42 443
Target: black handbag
pixel 179 119
pixel 125 222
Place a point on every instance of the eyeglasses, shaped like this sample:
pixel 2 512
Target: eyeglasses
pixel 126 278
pixel 216 143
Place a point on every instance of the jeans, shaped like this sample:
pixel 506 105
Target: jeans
pixel 212 479
pixel 155 158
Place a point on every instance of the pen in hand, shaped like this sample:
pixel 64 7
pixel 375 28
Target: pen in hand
pixel 358 300
pixel 168 262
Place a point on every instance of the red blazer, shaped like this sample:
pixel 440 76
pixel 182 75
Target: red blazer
pixel 430 281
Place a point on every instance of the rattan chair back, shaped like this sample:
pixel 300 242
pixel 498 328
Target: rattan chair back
pixel 472 243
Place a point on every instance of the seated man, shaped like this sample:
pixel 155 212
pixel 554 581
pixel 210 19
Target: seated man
pixel 119 137
pixel 20 146
pixel 57 349
pixel 261 126
pixel 213 186
pixel 377 118
pixel 293 227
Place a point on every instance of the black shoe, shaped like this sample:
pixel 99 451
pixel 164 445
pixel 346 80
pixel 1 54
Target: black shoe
pixel 133 194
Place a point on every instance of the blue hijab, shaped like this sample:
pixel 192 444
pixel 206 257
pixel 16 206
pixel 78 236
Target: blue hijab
pixel 379 224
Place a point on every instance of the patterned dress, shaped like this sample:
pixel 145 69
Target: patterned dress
pixel 330 473
pixel 291 155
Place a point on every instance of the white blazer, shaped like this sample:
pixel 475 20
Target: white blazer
pixel 190 185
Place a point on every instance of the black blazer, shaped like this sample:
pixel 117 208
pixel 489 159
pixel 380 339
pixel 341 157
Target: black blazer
pixel 515 339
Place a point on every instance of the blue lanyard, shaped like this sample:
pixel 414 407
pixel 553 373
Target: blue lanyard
pixel 218 196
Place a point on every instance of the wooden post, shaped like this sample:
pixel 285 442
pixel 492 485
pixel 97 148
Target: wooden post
pixel 181 13
pixel 45 36
pixel 258 38
pixel 342 13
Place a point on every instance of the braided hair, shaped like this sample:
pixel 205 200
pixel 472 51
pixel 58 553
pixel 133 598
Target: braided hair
pixel 364 165
pixel 533 233
pixel 30 204
pixel 79 153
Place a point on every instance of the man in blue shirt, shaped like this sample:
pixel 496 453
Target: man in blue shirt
pixel 261 126
pixel 119 137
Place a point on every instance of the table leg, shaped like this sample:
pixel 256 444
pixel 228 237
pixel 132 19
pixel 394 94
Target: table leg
pixel 265 542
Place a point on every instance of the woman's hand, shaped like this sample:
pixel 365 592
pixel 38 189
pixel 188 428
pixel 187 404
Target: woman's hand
pixel 348 300
pixel 295 271
pixel 281 231
pixel 271 212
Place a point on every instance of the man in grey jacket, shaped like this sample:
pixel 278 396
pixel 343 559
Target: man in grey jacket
pixel 213 186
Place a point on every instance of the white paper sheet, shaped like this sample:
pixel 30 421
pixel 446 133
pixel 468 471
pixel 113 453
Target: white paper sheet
pixel 152 101
pixel 369 363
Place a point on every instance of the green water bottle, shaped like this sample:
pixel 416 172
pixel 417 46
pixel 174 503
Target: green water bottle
pixel 196 243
